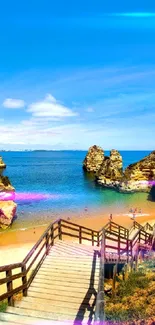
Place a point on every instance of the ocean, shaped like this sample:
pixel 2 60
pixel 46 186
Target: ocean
pixel 52 184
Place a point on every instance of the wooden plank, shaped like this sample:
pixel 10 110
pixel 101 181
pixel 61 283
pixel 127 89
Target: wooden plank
pixel 36 270
pixel 9 288
pixel 70 235
pixel 10 267
pixel 29 267
pixel 26 259
pixel 13 277
pixel 71 223
pixel 11 293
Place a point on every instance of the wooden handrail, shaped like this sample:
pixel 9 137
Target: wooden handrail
pixel 26 259
pixel 39 251
pixel 74 224
pixel 112 232
pixel 10 267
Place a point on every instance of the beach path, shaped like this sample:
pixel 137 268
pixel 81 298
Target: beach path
pixel 64 288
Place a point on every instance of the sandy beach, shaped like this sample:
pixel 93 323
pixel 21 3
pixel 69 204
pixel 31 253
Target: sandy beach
pixel 15 244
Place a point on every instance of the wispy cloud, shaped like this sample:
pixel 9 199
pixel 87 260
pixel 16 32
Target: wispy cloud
pixel 89 109
pixel 134 14
pixel 111 107
pixel 13 103
pixel 50 107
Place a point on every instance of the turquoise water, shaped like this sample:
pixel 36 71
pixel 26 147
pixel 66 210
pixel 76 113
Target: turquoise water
pixel 53 183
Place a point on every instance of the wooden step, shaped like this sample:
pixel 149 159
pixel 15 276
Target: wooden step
pixel 62 303
pixel 76 248
pixel 9 323
pixel 73 250
pixel 77 267
pixel 65 284
pixel 64 293
pixel 48 315
pixel 68 288
pixel 66 309
pixel 58 297
pixel 69 278
pixel 56 276
pixel 67 270
pixel 19 319
pixel 70 261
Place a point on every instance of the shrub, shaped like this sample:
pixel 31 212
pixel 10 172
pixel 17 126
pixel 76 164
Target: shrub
pixel 3 306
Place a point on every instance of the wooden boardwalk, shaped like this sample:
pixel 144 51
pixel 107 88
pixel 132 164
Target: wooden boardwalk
pixel 61 279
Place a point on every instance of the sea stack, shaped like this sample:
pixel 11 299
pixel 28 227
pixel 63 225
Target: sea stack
pixel 2 164
pixel 7 205
pixel 108 171
pixel 93 159
pixel 111 170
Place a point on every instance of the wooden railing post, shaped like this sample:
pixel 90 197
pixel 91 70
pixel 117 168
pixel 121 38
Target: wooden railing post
pixel 131 247
pixel 92 238
pixel 10 288
pixel 52 236
pixel 47 243
pixel 98 239
pixel 80 235
pixel 119 244
pixel 114 280
pixel 110 225
pixel 24 279
pixel 139 236
pixel 59 230
pixel 127 248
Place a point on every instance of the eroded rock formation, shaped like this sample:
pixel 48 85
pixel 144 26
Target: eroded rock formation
pixel 2 164
pixel 7 213
pixel 93 159
pixel 139 176
pixel 5 185
pixel 111 170
pixel 7 205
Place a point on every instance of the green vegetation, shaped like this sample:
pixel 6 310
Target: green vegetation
pixel 3 306
pixel 135 297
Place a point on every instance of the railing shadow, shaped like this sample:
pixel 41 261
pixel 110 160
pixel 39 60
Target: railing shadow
pixel 85 305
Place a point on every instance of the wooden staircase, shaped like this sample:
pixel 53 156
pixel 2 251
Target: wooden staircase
pixel 62 280
pixel 64 289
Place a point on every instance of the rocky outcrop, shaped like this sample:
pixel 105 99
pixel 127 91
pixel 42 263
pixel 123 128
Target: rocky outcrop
pixel 7 213
pixel 2 164
pixel 5 185
pixel 111 170
pixel 7 205
pixel 94 159
pixel 139 176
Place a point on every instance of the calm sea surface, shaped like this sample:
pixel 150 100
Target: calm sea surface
pixel 53 183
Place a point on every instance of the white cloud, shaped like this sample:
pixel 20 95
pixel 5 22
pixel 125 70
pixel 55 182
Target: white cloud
pixel 77 136
pixel 13 103
pixel 50 107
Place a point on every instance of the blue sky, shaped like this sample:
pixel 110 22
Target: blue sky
pixel 77 73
